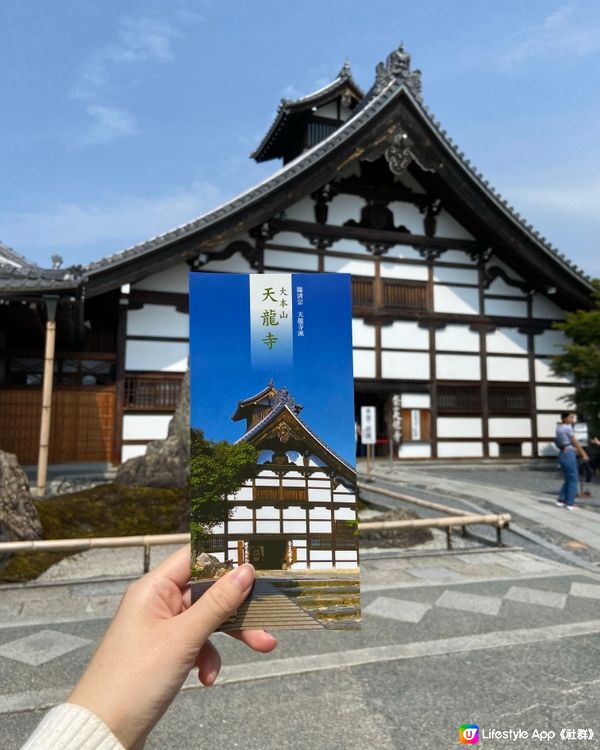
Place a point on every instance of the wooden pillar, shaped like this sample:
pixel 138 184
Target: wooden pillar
pixel 121 346
pixel 42 474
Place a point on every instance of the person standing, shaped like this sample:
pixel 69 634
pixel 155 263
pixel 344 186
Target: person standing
pixel 568 447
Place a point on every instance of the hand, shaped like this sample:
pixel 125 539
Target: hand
pixel 153 642
pixel 595 441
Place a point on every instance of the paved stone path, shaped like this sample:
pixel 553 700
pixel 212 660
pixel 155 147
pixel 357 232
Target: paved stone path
pixel 456 609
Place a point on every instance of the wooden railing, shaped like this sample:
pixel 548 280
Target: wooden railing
pixel 152 392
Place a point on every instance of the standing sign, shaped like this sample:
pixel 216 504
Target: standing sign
pixel 368 425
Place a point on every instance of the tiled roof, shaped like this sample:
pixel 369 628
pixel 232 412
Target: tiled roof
pixel 8 257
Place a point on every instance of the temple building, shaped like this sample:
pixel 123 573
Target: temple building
pixel 454 293
pixel 299 511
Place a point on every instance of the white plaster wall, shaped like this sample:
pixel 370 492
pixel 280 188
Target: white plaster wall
pixel 416 401
pixel 549 342
pixel 363 363
pixel 457 256
pixel 543 373
pixel 514 369
pixel 345 555
pixel 243 513
pixel 236 264
pixel 508 427
pixel 293 239
pixel 406 271
pixel 499 286
pixel 405 365
pixel 409 181
pixel 320 527
pixel 510 272
pixel 406 252
pixel 404 335
pixel 527 449
pixel 455 299
pixel 328 110
pixel 244 493
pixel 459 427
pixel 347 265
pixel 302 210
pixel 414 450
pixel 407 214
pixel 457 367
pixel 447 226
pixel 549 397
pixel 292 261
pixel 451 275
pixel 319 514
pixel 266 511
pixel 289 527
pixel 345 514
pixel 262 527
pixel 457 339
pixel 157 320
pixel 343 208
pixel 320 554
pixel 168 356
pixel 320 565
pixel 494 449
pixel 506 341
pixel 547 449
pixel 145 426
pixel 542 307
pixel 174 279
pixel 460 450
pixel 362 334
pixel 245 527
pixel 349 246
pixel 294 513
pixel 318 495
pixel 131 451
pixel 511 308
pixel 546 424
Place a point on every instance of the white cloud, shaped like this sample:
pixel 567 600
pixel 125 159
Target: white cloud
pixel 108 123
pixel 563 33
pixel 75 230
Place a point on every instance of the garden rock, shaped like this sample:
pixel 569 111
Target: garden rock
pixel 208 566
pixel 18 517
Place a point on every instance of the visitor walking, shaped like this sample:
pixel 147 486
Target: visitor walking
pixel 568 447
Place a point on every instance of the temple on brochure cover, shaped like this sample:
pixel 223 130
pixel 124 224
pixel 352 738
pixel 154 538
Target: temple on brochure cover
pixel 272 478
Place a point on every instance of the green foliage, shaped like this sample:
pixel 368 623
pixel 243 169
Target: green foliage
pixel 216 470
pixel 581 359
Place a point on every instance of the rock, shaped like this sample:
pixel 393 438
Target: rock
pixel 208 566
pixel 18 517
pixel 166 463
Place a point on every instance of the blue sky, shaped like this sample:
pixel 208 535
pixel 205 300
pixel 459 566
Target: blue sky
pixel 320 378
pixel 123 120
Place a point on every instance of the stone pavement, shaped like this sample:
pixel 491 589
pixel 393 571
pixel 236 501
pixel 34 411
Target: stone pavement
pixel 501 638
pixel 582 525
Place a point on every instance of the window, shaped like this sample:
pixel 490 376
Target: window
pixel 459 399
pixel 509 399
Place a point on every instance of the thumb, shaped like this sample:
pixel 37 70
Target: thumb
pixel 217 604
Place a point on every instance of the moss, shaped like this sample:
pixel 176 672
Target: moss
pixel 106 510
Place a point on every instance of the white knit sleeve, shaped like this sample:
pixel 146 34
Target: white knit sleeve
pixel 71 727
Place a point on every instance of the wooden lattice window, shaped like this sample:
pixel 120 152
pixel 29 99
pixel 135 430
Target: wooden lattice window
pixel 509 399
pixel 281 494
pixel 345 535
pixel 362 292
pixel 459 399
pixel 510 450
pixel 215 543
pixel 152 392
pixel 320 541
pixel 405 296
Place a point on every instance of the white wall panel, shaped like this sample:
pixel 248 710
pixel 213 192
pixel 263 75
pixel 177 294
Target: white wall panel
pixel 321 514
pixel 131 451
pixel 549 342
pixel 548 397
pixel 404 335
pixel 236 264
pixel 244 493
pixel 289 527
pixel 304 210
pixel 460 450
pixel 406 271
pixel 318 495
pixel 320 527
pixel 167 356
pixel 407 214
pixel 362 334
pixel 343 208
pixel 457 367
pixel 506 341
pixel 242 527
pixel 515 369
pixel 293 261
pixel 320 565
pixel 405 252
pixel 345 514
pixel 457 339
pixel 350 246
pixel 345 555
pixel 457 256
pixel 527 449
pixel 293 513
pixel 499 286
pixel 542 307
pixel 456 299
pixel 416 401
pixel 145 426
pixel 242 513
pixel 511 308
pixel 320 554
pixel 414 450
pixel 459 427
pixel 546 424
pixel 293 239
pixel 447 226
pixel 263 527
pixel 448 274
pixel 543 373
pixel 266 511
pixel 496 262
pixel 494 449
pixel 404 365
pixel 174 279
pixel 508 427
pixel 157 320
pixel 347 265
pixel 363 363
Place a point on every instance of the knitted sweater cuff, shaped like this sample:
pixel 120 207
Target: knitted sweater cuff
pixel 71 727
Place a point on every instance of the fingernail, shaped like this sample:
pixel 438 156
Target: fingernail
pixel 243 576
pixel 212 677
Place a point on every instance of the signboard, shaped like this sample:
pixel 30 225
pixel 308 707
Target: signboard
pixel 368 425
pixel 396 417
pixel 581 433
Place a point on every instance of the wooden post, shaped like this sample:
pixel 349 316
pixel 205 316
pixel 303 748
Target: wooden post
pixel 51 305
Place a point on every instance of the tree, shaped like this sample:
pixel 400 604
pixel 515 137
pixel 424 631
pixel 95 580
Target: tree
pixel 581 359
pixel 217 469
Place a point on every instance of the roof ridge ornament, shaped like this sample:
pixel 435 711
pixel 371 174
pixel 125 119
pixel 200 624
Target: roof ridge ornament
pixel 397 68
pixel 345 71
